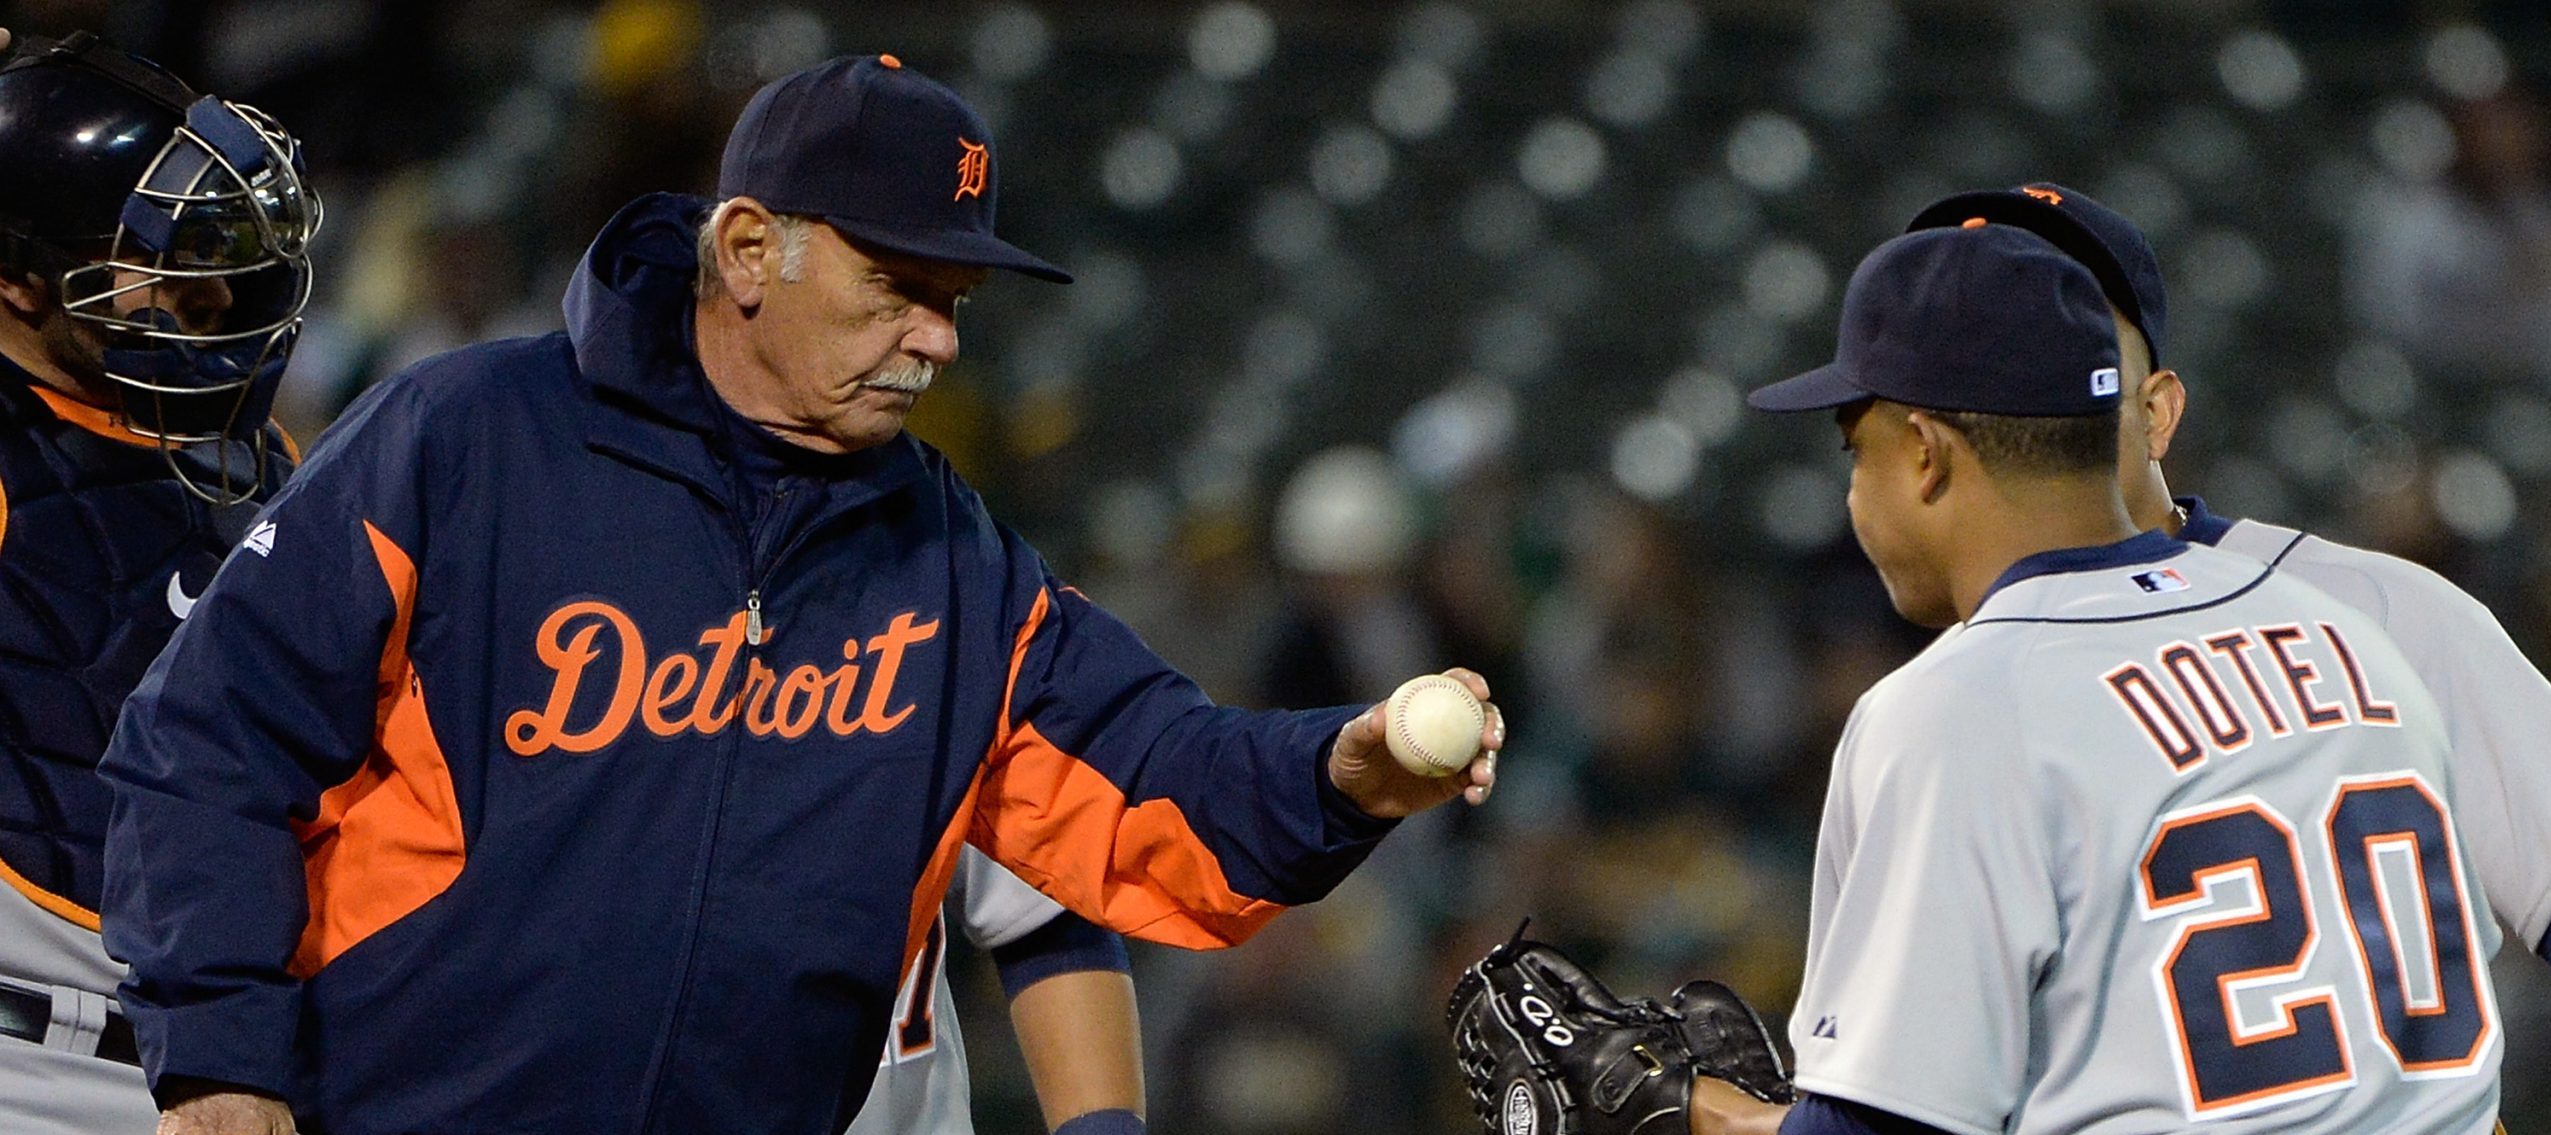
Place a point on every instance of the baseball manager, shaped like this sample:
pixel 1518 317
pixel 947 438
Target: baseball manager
pixel 589 743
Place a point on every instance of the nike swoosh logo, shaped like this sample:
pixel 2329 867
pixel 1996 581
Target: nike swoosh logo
pixel 180 604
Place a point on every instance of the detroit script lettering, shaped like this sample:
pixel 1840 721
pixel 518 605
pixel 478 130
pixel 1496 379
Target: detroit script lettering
pixel 688 691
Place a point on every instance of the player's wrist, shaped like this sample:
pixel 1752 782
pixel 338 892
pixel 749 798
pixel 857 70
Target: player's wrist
pixel 1717 1107
pixel 1113 1121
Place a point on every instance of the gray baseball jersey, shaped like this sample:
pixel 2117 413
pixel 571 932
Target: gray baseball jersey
pixel 921 1086
pixel 58 1087
pixel 2497 706
pixel 2158 837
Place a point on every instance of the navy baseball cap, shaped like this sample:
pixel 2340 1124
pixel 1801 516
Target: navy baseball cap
pixel 881 152
pixel 1990 320
pixel 2100 237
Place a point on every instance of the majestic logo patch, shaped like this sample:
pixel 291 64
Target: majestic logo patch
pixel 261 539
pixel 972 167
pixel 698 692
pixel 2161 581
pixel 1824 1029
pixel 1520 1117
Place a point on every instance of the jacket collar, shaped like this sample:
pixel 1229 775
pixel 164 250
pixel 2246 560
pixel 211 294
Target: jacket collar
pixel 629 311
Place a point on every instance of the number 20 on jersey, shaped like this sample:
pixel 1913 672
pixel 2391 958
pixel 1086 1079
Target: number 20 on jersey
pixel 2249 1032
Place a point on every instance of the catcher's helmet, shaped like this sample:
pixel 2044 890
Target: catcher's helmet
pixel 175 224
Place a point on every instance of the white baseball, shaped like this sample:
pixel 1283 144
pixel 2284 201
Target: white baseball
pixel 1432 725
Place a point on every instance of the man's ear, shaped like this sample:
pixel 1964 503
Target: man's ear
pixel 1938 450
pixel 747 249
pixel 2165 400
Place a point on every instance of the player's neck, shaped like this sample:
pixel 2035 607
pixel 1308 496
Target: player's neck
pixel 2149 503
pixel 735 372
pixel 2022 521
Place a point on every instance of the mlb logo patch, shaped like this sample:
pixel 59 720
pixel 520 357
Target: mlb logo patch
pixel 2103 382
pixel 2161 581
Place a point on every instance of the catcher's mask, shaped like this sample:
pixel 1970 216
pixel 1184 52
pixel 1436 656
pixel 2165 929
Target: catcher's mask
pixel 197 282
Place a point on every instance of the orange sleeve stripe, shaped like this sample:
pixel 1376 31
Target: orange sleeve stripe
pixel 73 912
pixel 1064 827
pixel 388 839
pixel 933 888
pixel 942 869
pixel 1036 613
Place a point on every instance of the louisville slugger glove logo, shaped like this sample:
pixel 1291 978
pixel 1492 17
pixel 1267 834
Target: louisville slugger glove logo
pixel 1520 1117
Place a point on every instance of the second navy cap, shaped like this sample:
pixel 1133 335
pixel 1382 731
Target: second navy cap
pixel 2101 238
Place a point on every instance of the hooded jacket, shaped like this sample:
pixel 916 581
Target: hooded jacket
pixel 501 783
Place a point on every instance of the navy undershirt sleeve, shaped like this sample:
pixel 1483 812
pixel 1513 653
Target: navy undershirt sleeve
pixel 1067 944
pixel 1112 1122
pixel 1824 1115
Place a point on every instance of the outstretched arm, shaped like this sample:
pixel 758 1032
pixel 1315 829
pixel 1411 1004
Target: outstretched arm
pixel 1116 787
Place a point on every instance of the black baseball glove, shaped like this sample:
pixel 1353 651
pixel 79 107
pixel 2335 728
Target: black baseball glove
pixel 1547 1050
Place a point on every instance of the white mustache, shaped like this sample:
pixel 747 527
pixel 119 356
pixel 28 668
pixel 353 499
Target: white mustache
pixel 911 379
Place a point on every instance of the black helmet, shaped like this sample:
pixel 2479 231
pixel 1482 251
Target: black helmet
pixel 177 224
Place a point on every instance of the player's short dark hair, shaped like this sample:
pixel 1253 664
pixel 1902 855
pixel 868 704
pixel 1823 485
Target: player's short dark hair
pixel 2040 446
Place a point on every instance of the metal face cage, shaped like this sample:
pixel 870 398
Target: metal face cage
pixel 201 290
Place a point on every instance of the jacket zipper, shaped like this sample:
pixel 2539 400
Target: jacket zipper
pixel 732 739
pixel 754 632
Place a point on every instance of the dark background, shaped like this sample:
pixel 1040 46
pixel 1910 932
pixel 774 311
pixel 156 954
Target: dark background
pixel 1412 334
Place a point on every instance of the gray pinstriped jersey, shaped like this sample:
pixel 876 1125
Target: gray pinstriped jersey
pixel 2497 706
pixel 2147 846
pixel 921 1086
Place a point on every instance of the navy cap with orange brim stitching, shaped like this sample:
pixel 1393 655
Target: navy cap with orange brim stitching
pixel 2101 238
pixel 881 152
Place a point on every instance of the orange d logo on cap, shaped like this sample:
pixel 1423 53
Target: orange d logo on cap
pixel 971 168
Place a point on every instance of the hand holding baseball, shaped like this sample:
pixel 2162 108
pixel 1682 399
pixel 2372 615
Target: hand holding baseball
pixel 1433 720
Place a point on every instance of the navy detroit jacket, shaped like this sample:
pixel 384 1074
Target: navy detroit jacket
pixel 466 800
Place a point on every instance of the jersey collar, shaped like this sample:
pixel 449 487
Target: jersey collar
pixel 98 420
pixel 2140 548
pixel 2202 526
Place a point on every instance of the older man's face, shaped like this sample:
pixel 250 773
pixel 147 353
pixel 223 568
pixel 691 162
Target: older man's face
pixel 859 336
